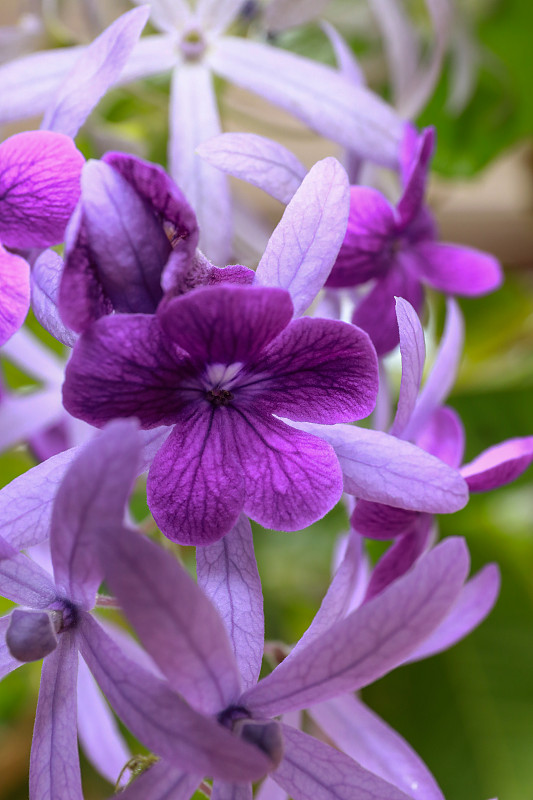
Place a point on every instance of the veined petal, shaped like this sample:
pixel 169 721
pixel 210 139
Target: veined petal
pixel 161 782
pixel 319 370
pixel 313 769
pixel 45 280
pixel 23 581
pixel 100 738
pixel 227 573
pixel 161 719
pixel 456 269
pixel 363 736
pixel 256 160
pixel 54 763
pixel 321 97
pixel 379 521
pixel 379 467
pixel 371 640
pixel 174 620
pixel 97 68
pixel 39 187
pixel 303 248
pixel 413 353
pixel 14 293
pixel 193 119
pixel 499 465
pixel 92 499
pixel 400 557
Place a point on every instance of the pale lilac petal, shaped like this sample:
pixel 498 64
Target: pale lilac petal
pixel 173 619
pixel 100 738
pixel 91 500
pixel 160 719
pixel 45 279
pixel 7 662
pixel 195 486
pixel 39 187
pixel 319 370
pixel 30 83
pixel 379 467
pixel 363 736
pixel 227 573
pixel 34 358
pixel 417 172
pixel 23 581
pixel 231 791
pixel 473 604
pixel 413 352
pixel 456 269
pixel 366 250
pixel 321 97
pixel 54 762
pixel 23 415
pixel 444 436
pixel 256 160
pixel 193 119
pixel 443 372
pixel 400 41
pixel 499 465
pixel 162 781
pixel 378 521
pixel 305 244
pixel 97 68
pixel 167 15
pixel 344 55
pixel 313 769
pixel 151 55
pixel 372 640
pixel 217 15
pixel 14 293
pixel 400 557
pixel 282 14
pixel 269 790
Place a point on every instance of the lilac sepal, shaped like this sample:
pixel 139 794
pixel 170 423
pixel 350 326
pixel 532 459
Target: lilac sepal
pixel 189 644
pixel 413 353
pixel 305 244
pixel 381 468
pixel 499 465
pixel 14 293
pixel 257 160
pixel 39 187
pixel 22 580
pixel 54 763
pixel 227 573
pixel 318 95
pixel 443 372
pixel 45 280
pixel 474 603
pixel 161 719
pixel 371 640
pixel 7 662
pixel 193 119
pixel 400 557
pixel 313 769
pixel 231 791
pixel 100 738
pixel 363 736
pixel 163 781
pixel 458 270
pixel 97 68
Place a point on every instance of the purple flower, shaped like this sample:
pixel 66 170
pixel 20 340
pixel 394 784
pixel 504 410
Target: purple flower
pixel 39 187
pixel 221 364
pixel 213 659
pixel 398 249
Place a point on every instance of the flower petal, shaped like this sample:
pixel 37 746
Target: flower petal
pixel 7 662
pixel 39 187
pixel 379 521
pixel 54 763
pixel 97 68
pixel 413 352
pixel 45 280
pixel 303 248
pixel 174 620
pixel 256 160
pixel 23 581
pixel 371 640
pixel 14 293
pixel 231 791
pixel 417 170
pixel 444 437
pixel 227 573
pixel 499 465
pixel 400 557
pixel 456 269
pixel 318 95
pixel 217 15
pixel 23 415
pixel 161 782
pixel 159 718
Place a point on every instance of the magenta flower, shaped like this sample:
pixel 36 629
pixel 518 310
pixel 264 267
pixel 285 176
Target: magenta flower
pixel 222 364
pixel 39 187
pixel 399 250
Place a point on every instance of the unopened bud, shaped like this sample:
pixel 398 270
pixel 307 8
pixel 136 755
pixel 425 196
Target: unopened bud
pixel 31 634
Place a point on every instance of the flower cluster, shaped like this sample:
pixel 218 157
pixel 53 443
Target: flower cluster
pixel 239 392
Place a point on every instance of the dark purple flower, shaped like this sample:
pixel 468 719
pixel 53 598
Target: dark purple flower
pixel 133 236
pixel 398 248
pixel 221 364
